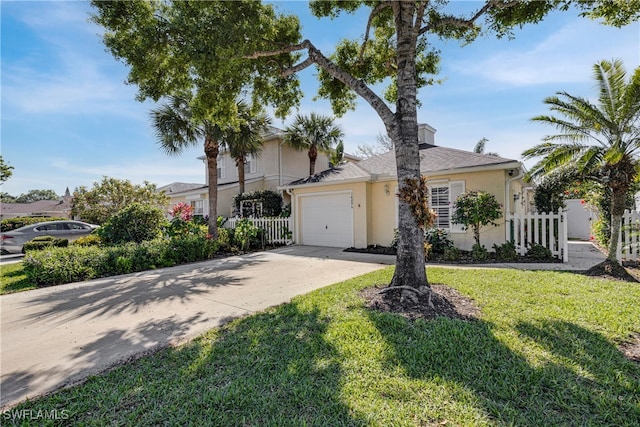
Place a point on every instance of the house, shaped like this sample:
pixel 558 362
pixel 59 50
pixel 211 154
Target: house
pixel 277 165
pixel 355 204
pixel 44 208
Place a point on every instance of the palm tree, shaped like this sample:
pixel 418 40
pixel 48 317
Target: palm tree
pixel 313 133
pixel 602 140
pixel 246 138
pixel 176 129
pixel 480 146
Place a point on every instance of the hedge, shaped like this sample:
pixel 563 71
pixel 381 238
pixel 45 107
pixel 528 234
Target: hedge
pixel 55 266
pixel 42 242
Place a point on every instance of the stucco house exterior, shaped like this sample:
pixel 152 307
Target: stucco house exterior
pixel 277 165
pixel 355 204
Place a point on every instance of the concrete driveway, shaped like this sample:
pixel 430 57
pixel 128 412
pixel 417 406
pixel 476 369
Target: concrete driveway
pixel 57 336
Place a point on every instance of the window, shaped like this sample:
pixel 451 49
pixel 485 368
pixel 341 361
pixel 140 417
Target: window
pixel 249 164
pixel 442 200
pixel 221 168
pixel 198 207
pixel 439 202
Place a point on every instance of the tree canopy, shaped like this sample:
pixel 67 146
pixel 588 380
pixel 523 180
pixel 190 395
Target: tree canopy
pixel 6 171
pixel 111 195
pixel 219 49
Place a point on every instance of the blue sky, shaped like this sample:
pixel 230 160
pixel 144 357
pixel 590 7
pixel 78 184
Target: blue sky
pixel 68 119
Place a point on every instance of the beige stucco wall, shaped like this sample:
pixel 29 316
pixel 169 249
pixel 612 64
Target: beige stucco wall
pixel 375 216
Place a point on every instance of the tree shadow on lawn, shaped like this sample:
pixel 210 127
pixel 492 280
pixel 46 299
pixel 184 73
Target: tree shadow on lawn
pixel 593 385
pixel 274 368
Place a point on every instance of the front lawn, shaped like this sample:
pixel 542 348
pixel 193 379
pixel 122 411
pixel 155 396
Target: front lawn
pixel 544 352
pixel 14 279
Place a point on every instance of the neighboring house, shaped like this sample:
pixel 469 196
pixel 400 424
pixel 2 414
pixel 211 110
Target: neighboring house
pixel 355 205
pixel 44 208
pixel 275 166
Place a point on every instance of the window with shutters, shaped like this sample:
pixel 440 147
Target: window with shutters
pixel 441 199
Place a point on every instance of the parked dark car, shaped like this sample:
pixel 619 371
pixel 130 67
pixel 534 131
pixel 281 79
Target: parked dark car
pixel 11 241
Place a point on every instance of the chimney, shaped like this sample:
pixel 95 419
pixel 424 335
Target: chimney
pixel 426 134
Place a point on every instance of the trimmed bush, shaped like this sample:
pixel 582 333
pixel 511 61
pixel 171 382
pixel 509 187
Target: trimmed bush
pixel 89 240
pixel 539 253
pixel 54 266
pixel 506 251
pixel 479 253
pixel 135 223
pixel 438 239
pixel 42 242
pixel 451 254
pixel 11 224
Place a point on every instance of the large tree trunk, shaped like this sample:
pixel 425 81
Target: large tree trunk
pixel 618 198
pixel 410 267
pixel 211 151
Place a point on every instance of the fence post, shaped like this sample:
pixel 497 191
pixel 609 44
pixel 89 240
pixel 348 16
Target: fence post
pixel 563 235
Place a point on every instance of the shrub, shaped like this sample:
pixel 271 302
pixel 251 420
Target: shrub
pixel 601 232
pixel 479 253
pixel 451 254
pixel 183 222
pixel 225 238
pixel 438 239
pixel 11 224
pixel 538 252
pixel 135 223
pixel 42 242
pixel 506 251
pixel 54 266
pixel 475 209
pixel 244 232
pixel 89 240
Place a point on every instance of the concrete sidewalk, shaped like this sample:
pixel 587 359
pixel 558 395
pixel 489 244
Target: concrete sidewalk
pixel 57 336
pixel 582 256
pixel 52 337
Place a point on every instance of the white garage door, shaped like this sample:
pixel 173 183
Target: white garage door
pixel 327 220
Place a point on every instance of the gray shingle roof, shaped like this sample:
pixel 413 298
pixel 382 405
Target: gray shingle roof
pixel 180 187
pixel 432 159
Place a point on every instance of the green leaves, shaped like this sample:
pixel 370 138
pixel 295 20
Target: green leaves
pixel 475 209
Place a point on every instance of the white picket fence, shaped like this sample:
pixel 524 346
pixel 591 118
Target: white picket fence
pixel 276 230
pixel 629 241
pixel 546 229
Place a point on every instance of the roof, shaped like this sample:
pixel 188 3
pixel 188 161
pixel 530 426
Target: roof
pixel 433 159
pixel 180 187
pixel 39 207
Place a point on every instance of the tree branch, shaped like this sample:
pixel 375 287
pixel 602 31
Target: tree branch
pixel 420 15
pixel 372 15
pixel 468 23
pixel 316 57
pixel 301 66
pixel 285 49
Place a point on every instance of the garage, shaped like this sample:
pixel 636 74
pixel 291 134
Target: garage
pixel 326 219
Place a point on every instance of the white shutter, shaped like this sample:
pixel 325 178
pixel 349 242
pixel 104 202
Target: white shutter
pixel 456 188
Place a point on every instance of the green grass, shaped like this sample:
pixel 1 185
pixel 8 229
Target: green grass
pixel 14 279
pixel 544 353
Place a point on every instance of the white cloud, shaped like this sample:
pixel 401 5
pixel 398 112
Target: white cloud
pixel 565 56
